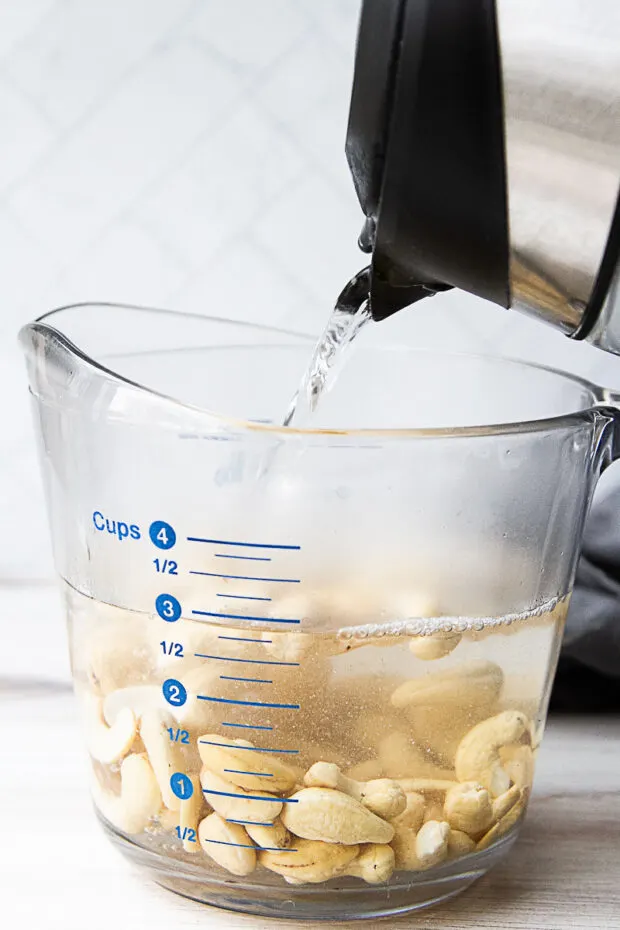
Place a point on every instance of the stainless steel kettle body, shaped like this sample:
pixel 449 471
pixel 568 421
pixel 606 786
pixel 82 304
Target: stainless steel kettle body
pixel 484 143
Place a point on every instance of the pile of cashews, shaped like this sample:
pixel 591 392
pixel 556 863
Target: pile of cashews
pixel 450 774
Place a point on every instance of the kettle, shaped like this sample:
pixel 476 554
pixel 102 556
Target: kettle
pixel 484 145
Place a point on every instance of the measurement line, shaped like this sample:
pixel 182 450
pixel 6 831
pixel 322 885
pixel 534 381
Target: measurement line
pixel 244 726
pixel 249 797
pixel 244 558
pixel 246 846
pixel 200 655
pixel 248 545
pixel 255 681
pixel 209 613
pixel 243 597
pixel 242 639
pixel 217 700
pixel 248 578
pixel 250 823
pixel 289 752
pixel 258 774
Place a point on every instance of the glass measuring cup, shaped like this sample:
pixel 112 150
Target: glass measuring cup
pixel 257 614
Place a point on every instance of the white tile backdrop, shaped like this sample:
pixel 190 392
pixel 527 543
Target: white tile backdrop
pixel 185 153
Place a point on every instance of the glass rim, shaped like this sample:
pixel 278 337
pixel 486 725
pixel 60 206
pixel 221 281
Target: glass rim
pixel 602 406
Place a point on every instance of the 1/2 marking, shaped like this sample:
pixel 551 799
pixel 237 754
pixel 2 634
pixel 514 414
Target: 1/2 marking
pixel 172 649
pixel 178 736
pixel 186 834
pixel 166 566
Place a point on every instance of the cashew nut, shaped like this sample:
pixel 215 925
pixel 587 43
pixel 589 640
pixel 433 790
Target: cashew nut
pixel 383 796
pixel 309 861
pixel 139 800
pixel 233 759
pixel 412 817
pixel 431 843
pixel 228 844
pixel 333 817
pixel 189 816
pixel 138 698
pixel 478 759
pixel 505 802
pixel 401 758
pixel 518 761
pixel 429 847
pixel 108 744
pixel 436 646
pixel 468 808
pixel 507 822
pixel 274 836
pixel 235 803
pixel 439 728
pixel 375 864
pixel 163 753
pixel 167 819
pixel 117 654
pixel 471 685
pixel 460 844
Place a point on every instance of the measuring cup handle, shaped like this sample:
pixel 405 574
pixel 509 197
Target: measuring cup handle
pixel 609 442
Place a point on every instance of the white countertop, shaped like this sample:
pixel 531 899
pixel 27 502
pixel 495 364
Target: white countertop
pixel 58 872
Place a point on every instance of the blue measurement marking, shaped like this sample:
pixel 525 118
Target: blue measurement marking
pixel 249 797
pixel 248 578
pixel 250 823
pixel 243 597
pixel 255 681
pixel 200 655
pixel 246 846
pixel 217 700
pixel 289 752
pixel 248 545
pixel 244 558
pixel 258 774
pixel 208 613
pixel 244 726
pixel 243 639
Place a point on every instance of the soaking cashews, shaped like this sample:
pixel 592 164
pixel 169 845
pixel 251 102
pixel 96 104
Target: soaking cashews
pixel 271 836
pixel 422 850
pixel 333 817
pixel 236 803
pixel 139 699
pixel 362 780
pixel 472 683
pixel 105 743
pixel 189 816
pixel 478 758
pixel 228 844
pixel 437 646
pixel 468 808
pixel 231 758
pixel 412 817
pixel 383 796
pixel 374 865
pixel 139 800
pixel 310 861
pixel 164 755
